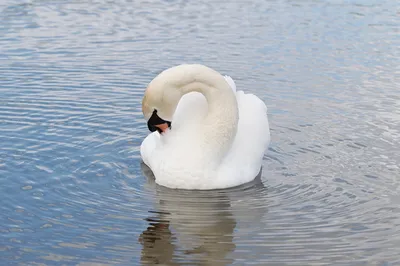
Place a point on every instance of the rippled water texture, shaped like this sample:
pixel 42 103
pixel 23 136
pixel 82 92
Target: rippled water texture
pixel 72 186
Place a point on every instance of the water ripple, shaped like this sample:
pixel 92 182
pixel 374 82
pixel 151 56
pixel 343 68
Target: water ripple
pixel 72 186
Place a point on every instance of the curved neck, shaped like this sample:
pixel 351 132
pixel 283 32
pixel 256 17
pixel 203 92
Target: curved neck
pixel 220 125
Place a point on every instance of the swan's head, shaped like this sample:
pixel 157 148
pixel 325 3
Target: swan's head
pixel 160 101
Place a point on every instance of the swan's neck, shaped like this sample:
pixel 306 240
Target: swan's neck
pixel 219 127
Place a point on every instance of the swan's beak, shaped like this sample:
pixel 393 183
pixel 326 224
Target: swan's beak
pixel 162 128
pixel 157 123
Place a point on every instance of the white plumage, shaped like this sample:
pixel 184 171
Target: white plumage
pixel 214 142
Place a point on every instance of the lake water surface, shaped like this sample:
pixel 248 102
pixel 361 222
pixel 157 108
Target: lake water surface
pixel 72 186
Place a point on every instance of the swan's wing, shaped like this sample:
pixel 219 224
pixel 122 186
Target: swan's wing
pixel 244 160
pixel 191 108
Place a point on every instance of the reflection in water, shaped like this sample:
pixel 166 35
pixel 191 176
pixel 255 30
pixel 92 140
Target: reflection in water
pixel 157 241
pixel 196 226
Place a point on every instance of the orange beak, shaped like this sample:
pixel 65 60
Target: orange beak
pixel 163 127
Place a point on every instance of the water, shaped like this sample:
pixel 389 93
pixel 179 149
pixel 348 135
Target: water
pixel 72 186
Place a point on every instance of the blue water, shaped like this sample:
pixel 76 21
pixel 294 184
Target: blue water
pixel 72 186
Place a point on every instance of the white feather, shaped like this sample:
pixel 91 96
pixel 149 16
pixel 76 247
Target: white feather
pixel 171 154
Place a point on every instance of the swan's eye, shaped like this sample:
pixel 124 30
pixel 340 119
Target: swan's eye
pixel 157 123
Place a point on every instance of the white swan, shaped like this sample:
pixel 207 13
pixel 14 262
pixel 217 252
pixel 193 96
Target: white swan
pixel 205 134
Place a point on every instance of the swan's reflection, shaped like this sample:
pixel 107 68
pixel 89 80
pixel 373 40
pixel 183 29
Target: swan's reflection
pixel 194 227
